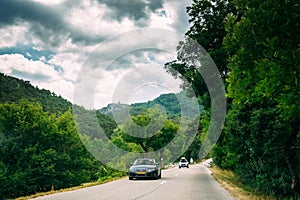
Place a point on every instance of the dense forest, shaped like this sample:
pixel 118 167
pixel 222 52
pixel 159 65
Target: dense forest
pixel 255 45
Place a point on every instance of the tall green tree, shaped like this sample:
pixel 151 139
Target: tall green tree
pixel 150 130
pixel 262 129
pixel 207 19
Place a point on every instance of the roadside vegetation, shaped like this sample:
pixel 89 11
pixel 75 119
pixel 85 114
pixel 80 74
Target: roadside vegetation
pixel 42 152
pixel 237 189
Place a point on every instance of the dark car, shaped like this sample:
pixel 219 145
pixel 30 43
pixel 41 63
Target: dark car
pixel 145 168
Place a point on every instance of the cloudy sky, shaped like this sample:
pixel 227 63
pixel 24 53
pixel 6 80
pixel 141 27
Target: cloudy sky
pixel 93 52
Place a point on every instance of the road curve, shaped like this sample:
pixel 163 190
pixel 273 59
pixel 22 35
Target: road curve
pixel 194 183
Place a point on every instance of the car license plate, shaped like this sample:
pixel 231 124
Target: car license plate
pixel 141 172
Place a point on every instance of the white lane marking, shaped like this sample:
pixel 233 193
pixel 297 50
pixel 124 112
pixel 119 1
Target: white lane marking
pixel 152 190
pixel 163 182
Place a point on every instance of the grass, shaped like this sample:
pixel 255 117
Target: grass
pixel 231 183
pixel 85 185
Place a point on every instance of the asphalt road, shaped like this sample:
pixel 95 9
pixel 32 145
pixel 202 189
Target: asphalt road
pixel 192 183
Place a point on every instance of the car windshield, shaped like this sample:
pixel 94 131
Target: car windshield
pixel 183 160
pixel 144 162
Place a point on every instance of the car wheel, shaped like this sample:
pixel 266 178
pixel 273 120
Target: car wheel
pixel 187 166
pixel 130 178
pixel 157 176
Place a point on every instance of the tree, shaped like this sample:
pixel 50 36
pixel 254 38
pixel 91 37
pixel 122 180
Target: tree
pixel 207 19
pixel 204 41
pixel 262 129
pixel 150 130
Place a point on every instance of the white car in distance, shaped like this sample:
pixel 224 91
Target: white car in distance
pixel 183 163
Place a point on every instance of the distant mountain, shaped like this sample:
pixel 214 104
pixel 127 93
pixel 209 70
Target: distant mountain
pixel 110 108
pixel 172 104
pixel 13 89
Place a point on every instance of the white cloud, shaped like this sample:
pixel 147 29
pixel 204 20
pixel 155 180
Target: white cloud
pixel 163 22
pixel 144 80
pixel 52 2
pixel 61 87
pixel 90 18
pixel 131 86
pixel 69 62
pixel 13 34
pixel 15 63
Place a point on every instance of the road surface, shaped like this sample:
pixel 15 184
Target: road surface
pixel 186 183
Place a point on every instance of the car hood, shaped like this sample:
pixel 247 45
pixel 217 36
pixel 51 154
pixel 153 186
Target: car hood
pixel 183 163
pixel 143 166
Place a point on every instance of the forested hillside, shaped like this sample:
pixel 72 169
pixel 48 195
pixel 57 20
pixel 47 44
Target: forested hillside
pixel 171 103
pixel 13 89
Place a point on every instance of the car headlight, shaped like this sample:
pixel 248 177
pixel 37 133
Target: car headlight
pixel 131 169
pixel 150 170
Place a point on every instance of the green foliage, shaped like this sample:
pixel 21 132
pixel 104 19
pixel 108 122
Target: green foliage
pixel 40 151
pixel 262 130
pixel 167 101
pixel 106 123
pixel 149 130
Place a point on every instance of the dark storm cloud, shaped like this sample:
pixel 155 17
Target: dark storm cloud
pixel 155 4
pixel 46 22
pixel 11 10
pixel 133 9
